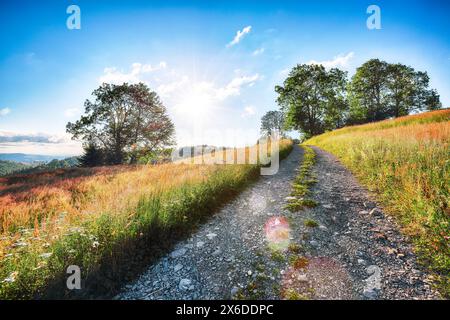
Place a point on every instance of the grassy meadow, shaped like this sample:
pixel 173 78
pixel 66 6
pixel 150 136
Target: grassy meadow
pixel 406 163
pixel 93 217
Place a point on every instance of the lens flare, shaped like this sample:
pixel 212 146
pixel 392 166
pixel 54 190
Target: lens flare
pixel 316 278
pixel 277 233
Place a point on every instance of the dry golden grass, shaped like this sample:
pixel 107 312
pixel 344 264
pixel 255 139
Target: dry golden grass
pixel 79 216
pixel 48 204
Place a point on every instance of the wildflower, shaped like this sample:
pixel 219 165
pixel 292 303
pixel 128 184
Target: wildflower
pixel 40 265
pixel 46 255
pixel 19 244
pixel 12 277
pixel 95 244
pixel 76 230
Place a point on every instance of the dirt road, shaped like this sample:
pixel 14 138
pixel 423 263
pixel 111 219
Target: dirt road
pixel 345 248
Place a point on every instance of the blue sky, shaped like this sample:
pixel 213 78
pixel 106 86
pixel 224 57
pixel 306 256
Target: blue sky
pixel 216 90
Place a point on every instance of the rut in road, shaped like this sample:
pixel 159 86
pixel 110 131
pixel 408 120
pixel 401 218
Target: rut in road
pixel 355 252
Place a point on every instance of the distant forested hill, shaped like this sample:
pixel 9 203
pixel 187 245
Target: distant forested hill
pixel 10 167
pixel 7 167
pixel 52 165
pixel 28 158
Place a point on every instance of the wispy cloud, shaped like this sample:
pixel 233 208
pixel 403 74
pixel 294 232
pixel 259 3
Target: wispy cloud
pixel 71 112
pixel 233 88
pixel 5 111
pixel 38 143
pixel 338 61
pixel 258 51
pixel 166 88
pixel 249 111
pixel 30 137
pixel 239 36
pixel 112 75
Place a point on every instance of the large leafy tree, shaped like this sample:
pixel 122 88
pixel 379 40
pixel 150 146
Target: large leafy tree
pixel 272 121
pixel 402 83
pixel 409 91
pixel 313 98
pixel 124 120
pixel 368 92
pixel 380 90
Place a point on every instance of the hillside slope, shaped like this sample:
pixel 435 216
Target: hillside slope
pixel 102 219
pixel 7 167
pixel 405 162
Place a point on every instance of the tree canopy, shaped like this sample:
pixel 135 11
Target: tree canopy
pixel 123 120
pixel 380 90
pixel 272 121
pixel 313 99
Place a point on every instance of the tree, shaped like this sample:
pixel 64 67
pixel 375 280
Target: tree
pixel 93 156
pixel 409 91
pixel 123 120
pixel 337 107
pixel 313 99
pixel 402 83
pixel 380 90
pixel 368 93
pixel 272 121
pixel 432 101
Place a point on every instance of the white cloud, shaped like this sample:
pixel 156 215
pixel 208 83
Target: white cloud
pixel 166 89
pixel 38 143
pixel 71 112
pixel 183 83
pixel 6 137
pixel 248 112
pixel 4 111
pixel 239 36
pixel 112 75
pixel 338 61
pixel 205 92
pixel 233 88
pixel 258 51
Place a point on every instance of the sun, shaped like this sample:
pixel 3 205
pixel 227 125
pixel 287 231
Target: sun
pixel 195 103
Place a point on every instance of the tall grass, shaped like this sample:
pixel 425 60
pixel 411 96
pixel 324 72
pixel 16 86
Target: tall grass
pixel 406 163
pixel 96 218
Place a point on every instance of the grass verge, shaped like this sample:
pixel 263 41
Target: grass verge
pixel 303 182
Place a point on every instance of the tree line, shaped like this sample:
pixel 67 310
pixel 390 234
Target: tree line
pixel 313 99
pixel 128 123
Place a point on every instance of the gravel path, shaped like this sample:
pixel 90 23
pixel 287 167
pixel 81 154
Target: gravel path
pixel 355 252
